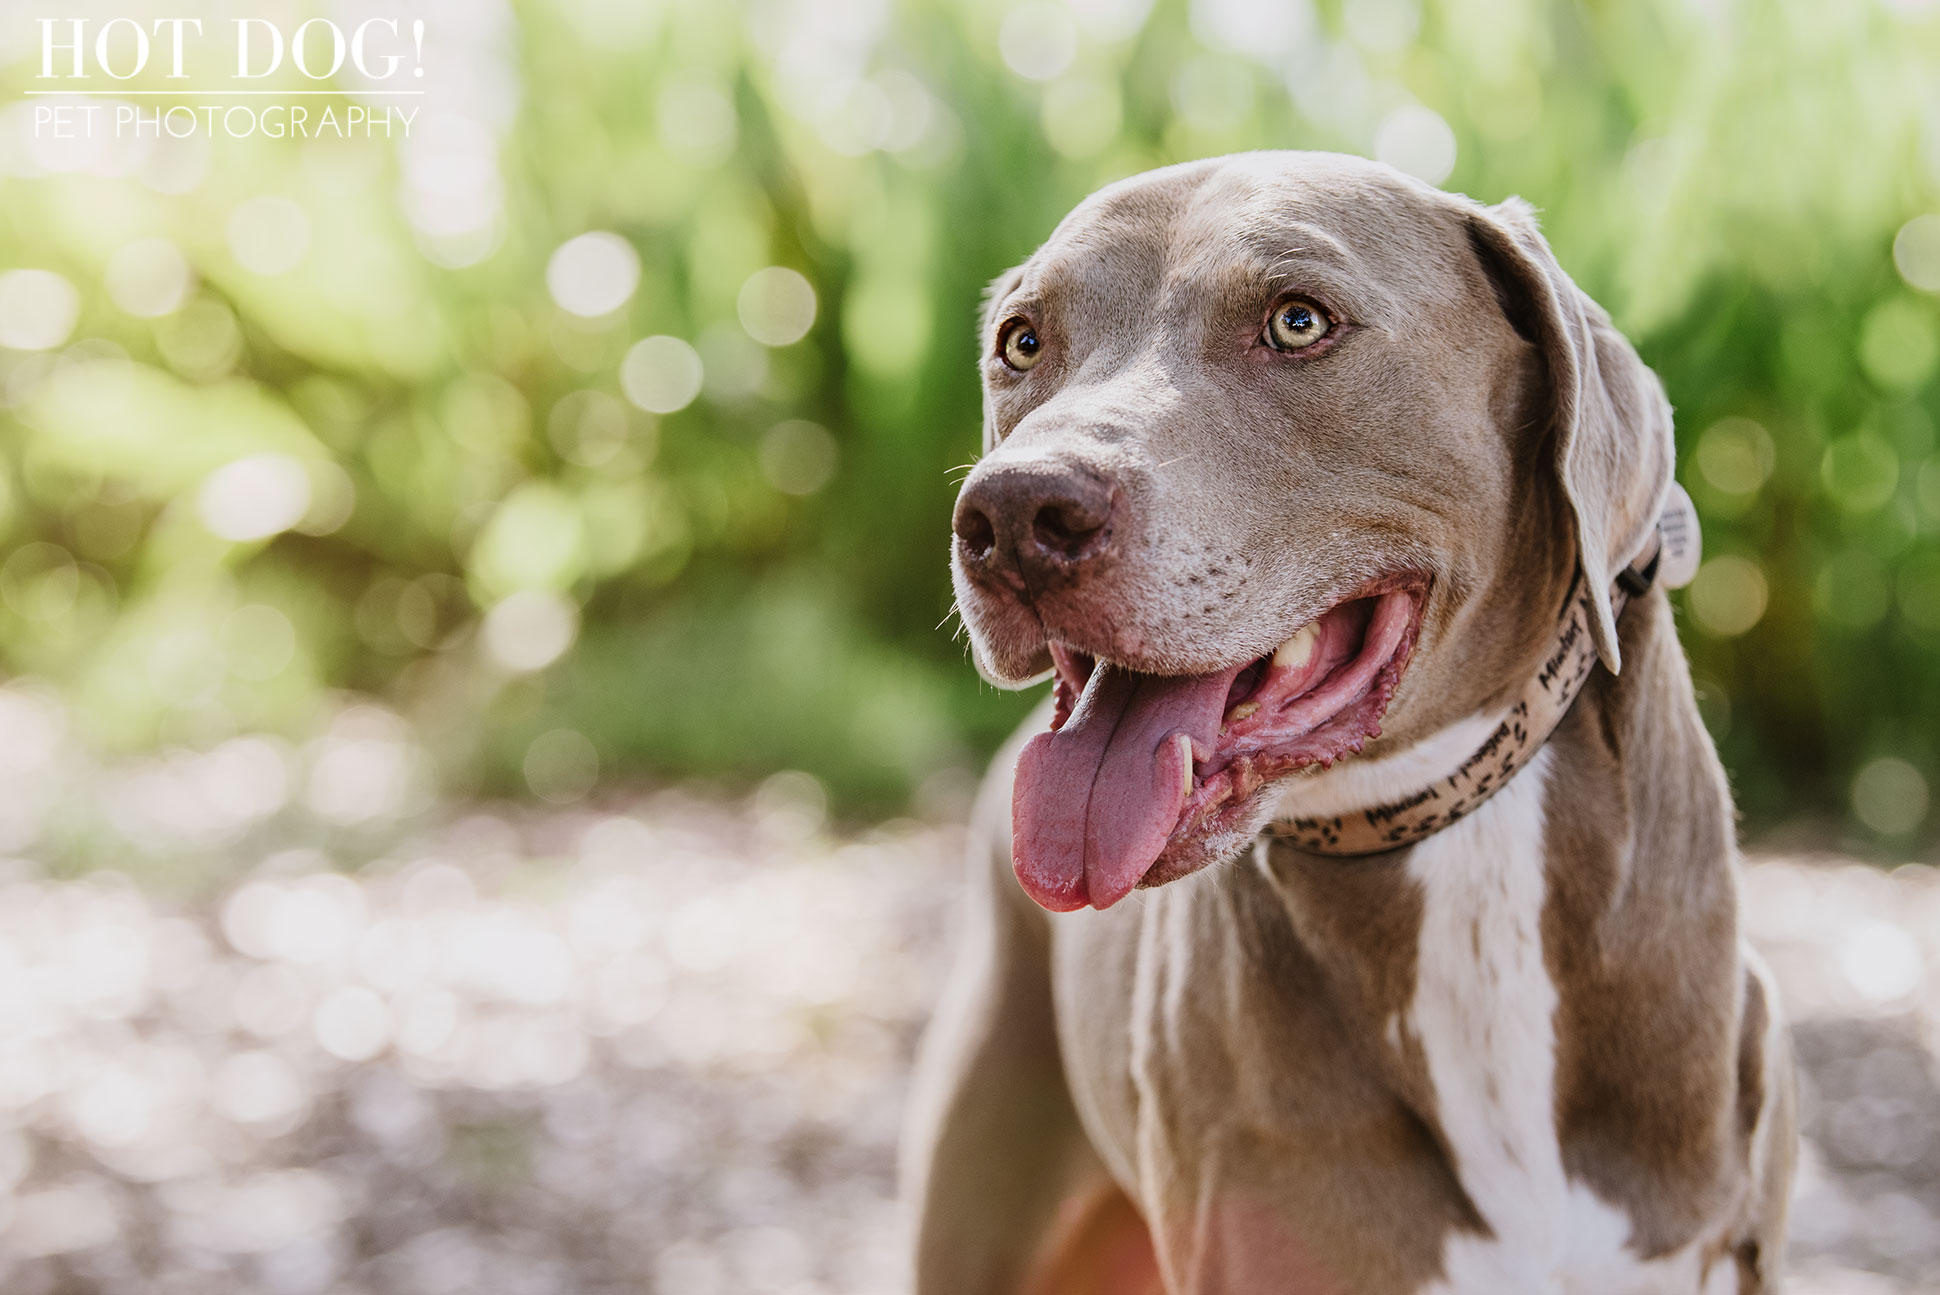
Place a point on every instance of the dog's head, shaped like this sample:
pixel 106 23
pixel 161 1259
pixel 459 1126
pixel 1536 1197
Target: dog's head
pixel 1287 456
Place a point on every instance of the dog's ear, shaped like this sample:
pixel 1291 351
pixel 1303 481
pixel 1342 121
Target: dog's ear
pixel 1610 425
pixel 1000 287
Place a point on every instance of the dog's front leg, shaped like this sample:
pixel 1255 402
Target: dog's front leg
pixel 1008 1196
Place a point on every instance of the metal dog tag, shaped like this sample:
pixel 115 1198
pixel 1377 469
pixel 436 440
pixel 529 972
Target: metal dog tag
pixel 1683 545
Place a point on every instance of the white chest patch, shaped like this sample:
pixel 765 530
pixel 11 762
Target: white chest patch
pixel 1484 1012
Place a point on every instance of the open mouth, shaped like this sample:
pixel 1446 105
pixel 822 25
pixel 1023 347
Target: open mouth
pixel 1143 778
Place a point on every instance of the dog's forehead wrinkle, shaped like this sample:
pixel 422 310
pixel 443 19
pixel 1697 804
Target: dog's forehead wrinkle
pixel 1276 223
pixel 1174 291
pixel 1130 370
pixel 1146 203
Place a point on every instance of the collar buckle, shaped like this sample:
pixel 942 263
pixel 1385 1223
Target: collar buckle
pixel 1637 578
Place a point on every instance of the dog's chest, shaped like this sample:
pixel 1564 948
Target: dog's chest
pixel 1245 1070
pixel 1483 1016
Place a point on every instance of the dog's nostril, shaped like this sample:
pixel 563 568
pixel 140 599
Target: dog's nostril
pixel 1066 527
pixel 975 533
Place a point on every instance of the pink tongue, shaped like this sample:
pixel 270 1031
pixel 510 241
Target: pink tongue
pixel 1095 802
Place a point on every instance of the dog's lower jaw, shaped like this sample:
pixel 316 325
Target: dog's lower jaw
pixel 1186 855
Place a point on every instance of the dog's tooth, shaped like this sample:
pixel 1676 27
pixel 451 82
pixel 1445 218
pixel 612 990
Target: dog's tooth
pixel 1245 710
pixel 1185 764
pixel 1298 650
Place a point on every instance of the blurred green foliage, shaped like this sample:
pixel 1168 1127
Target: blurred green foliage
pixel 319 419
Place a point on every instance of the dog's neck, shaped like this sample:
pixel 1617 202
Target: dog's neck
pixel 1475 771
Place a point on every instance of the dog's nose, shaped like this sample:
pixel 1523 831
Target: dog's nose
pixel 1036 521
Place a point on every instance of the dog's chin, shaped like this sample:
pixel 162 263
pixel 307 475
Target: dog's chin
pixel 1194 852
pixel 1011 666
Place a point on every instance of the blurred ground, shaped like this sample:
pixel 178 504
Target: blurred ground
pixel 661 1047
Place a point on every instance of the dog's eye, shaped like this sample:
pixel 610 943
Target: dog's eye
pixel 1296 324
pixel 1019 346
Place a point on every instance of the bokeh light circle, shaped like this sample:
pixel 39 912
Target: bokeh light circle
pixel 149 277
pixel 1890 795
pixel 1727 596
pixel 776 306
pixel 1416 140
pixel 529 630
pixel 798 457
pixel 1916 251
pixel 661 374
pixel 594 274
pixel 1038 41
pixel 561 766
pixel 254 498
pixel 38 309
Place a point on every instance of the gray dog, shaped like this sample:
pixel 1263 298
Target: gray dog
pixel 1334 510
